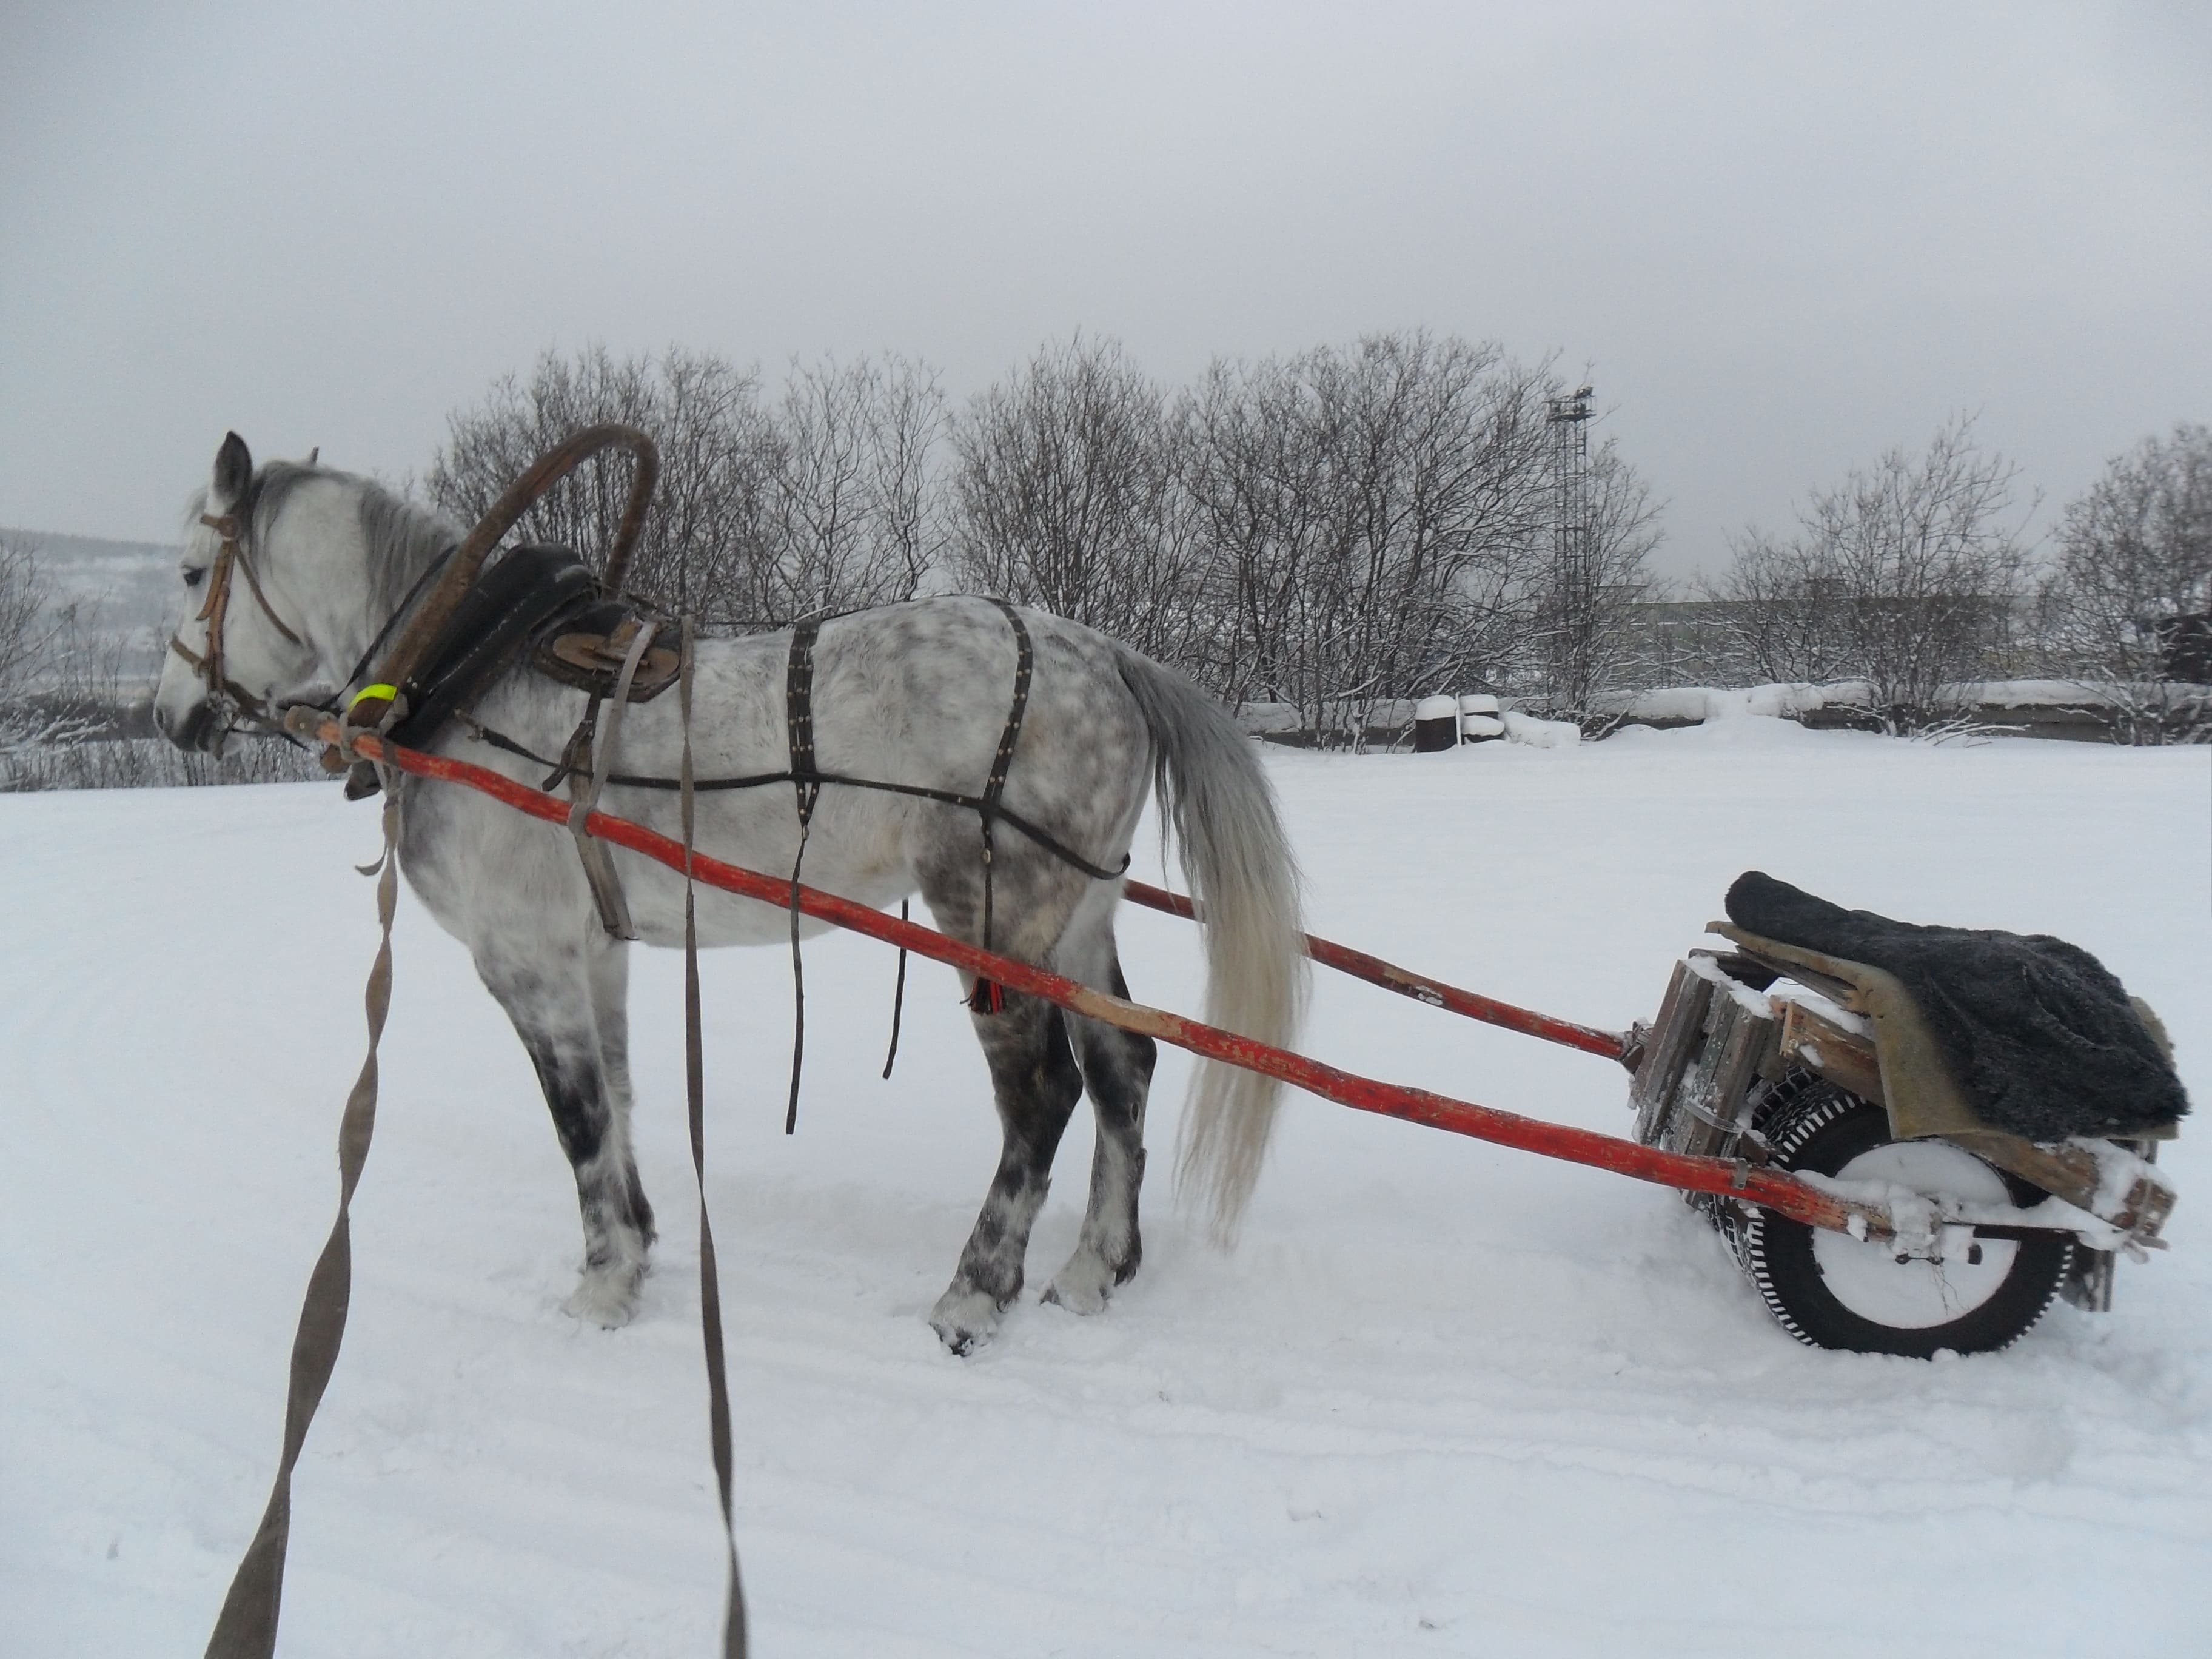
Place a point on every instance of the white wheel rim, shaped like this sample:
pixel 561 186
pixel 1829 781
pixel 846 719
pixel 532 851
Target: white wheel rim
pixel 1916 1294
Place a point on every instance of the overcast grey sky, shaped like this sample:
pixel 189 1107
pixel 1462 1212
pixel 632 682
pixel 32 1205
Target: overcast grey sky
pixel 1780 237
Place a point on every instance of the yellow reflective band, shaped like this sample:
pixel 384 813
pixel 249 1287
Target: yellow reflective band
pixel 389 693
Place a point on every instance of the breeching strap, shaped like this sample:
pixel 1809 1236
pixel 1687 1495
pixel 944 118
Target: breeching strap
pixel 987 998
pixel 806 778
pixel 246 1626
pixel 734 1645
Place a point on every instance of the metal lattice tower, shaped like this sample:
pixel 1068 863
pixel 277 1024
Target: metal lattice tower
pixel 1574 572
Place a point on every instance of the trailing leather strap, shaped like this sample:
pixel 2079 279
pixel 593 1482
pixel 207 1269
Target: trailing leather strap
pixel 898 998
pixel 246 1627
pixel 799 712
pixel 599 864
pixel 734 1643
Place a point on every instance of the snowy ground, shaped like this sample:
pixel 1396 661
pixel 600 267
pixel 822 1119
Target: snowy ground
pixel 1446 1399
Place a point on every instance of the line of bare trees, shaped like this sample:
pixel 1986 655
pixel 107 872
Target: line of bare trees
pixel 1333 530
pixel 1915 574
pixel 822 499
pixel 1343 528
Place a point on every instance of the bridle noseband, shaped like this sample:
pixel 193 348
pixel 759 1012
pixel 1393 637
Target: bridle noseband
pixel 229 557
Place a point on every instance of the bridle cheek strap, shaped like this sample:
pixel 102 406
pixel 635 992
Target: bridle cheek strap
pixel 215 609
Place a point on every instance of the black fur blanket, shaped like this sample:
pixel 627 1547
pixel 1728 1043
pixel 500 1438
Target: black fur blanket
pixel 2042 1040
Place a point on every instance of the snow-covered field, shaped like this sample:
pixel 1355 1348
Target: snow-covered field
pixel 1445 1399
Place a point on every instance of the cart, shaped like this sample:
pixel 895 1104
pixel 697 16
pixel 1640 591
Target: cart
pixel 1781 1059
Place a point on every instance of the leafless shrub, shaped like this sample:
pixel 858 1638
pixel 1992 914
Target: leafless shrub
pixel 1910 574
pixel 30 621
pixel 2125 607
pixel 845 518
pixel 1371 521
pixel 764 513
pixel 703 414
pixel 1064 495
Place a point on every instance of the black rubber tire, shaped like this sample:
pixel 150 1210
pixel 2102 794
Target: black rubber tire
pixel 1817 1127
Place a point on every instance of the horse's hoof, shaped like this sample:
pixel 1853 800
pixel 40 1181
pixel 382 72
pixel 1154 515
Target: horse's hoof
pixel 1082 1286
pixel 607 1300
pixel 965 1319
pixel 1087 1282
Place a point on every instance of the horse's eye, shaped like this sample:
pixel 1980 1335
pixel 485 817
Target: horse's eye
pixel 193 578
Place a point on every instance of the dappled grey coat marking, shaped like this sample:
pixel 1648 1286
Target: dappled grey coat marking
pixel 911 694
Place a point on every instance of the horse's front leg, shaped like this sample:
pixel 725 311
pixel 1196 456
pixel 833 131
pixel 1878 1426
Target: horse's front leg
pixel 568 1005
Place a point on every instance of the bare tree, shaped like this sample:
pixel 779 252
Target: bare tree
pixel 846 517
pixel 2132 592
pixel 1910 574
pixel 1370 519
pixel 1257 470
pixel 2134 553
pixel 1778 615
pixel 763 514
pixel 701 412
pixel 1065 496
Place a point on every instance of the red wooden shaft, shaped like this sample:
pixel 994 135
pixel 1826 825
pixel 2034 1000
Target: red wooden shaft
pixel 1419 987
pixel 1770 1188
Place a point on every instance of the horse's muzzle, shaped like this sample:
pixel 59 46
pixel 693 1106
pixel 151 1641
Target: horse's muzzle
pixel 200 726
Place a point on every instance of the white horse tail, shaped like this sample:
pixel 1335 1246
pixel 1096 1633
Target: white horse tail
pixel 1242 873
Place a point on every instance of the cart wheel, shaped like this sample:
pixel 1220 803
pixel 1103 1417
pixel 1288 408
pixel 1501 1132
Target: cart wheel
pixel 1831 1291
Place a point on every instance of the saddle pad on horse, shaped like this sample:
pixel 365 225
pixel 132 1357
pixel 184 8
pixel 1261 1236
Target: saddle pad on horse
pixel 2036 1036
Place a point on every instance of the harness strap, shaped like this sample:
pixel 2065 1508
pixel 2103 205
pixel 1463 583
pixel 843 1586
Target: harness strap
pixel 599 864
pixel 734 1644
pixel 898 999
pixel 253 582
pixel 384 633
pixel 805 779
pixel 214 609
pixel 987 997
pixel 246 1626
pixel 496 740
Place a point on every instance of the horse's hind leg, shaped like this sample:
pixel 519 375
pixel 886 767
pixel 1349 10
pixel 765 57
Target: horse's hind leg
pixel 1035 1084
pixel 1117 1068
pixel 566 1003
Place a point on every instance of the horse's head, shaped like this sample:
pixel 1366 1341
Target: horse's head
pixel 257 568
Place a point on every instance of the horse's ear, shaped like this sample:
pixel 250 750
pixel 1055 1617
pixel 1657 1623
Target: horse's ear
pixel 233 470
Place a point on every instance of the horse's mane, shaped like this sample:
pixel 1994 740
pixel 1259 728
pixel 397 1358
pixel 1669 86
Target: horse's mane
pixel 402 537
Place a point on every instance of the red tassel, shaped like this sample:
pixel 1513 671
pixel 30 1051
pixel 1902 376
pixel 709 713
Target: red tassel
pixel 989 997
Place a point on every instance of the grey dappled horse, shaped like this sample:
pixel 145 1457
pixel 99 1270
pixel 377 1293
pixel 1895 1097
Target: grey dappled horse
pixel 916 694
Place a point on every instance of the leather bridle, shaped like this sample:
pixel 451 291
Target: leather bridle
pixel 230 558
